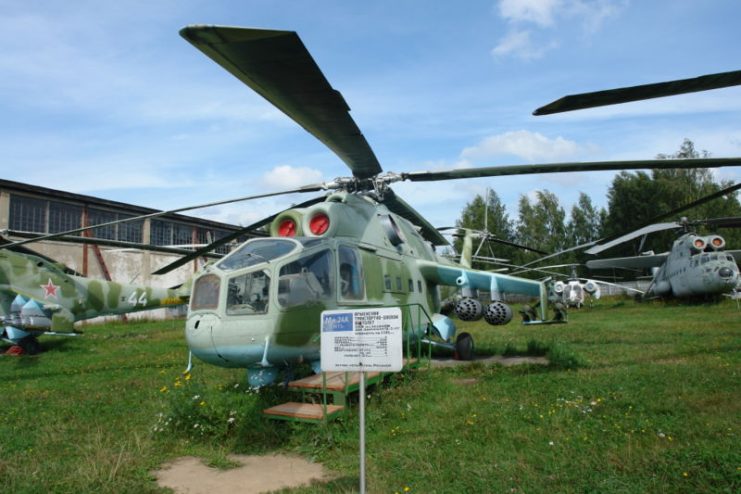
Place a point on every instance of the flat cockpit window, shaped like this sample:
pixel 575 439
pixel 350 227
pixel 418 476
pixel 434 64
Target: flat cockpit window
pixel 248 294
pixel 205 293
pixel 255 252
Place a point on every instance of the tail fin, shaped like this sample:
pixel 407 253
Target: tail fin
pixel 184 290
pixel 467 249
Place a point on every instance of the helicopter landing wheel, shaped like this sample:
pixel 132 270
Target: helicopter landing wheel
pixel 464 347
pixel 30 345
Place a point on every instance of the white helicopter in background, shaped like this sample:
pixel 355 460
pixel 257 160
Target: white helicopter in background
pixel 575 291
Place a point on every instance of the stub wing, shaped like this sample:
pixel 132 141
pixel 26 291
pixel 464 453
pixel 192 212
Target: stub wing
pixel 449 275
pixel 636 262
pixel 736 255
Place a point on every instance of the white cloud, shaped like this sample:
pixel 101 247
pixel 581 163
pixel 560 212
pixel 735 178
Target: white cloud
pixel 549 14
pixel 593 13
pixel 540 12
pixel 531 146
pixel 284 177
pixel 521 45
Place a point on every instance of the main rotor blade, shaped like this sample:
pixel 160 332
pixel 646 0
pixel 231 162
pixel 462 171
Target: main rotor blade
pixel 496 171
pixel 698 202
pixel 733 222
pixel 657 227
pixel 613 240
pixel 655 219
pixel 306 188
pixel 636 93
pixel 277 66
pixel 204 251
pixel 79 239
pixel 397 205
pixel 486 236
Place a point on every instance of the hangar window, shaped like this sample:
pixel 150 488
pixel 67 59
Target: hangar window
pixel 64 217
pixel 206 236
pixel 160 232
pixel 27 214
pixel 98 216
pixel 130 231
pixel 182 234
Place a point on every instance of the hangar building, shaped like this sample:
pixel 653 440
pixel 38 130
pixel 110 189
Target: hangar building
pixel 28 210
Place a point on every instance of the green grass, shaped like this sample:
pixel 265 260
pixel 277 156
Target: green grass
pixel 638 398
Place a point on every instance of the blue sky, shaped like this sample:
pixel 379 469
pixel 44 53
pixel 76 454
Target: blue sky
pixel 106 99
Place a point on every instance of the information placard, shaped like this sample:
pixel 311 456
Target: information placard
pixel 362 340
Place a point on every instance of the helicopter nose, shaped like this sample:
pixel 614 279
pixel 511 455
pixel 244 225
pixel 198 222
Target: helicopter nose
pixel 725 272
pixel 198 336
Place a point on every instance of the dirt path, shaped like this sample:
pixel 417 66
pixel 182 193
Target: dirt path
pixel 188 475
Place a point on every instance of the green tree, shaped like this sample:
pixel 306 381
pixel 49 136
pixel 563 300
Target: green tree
pixel 585 222
pixel 541 224
pixel 488 214
pixel 635 198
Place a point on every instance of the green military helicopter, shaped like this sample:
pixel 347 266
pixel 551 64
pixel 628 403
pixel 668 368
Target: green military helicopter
pixel 357 246
pixel 40 296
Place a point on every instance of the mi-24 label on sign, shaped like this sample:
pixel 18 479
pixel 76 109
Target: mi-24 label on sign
pixel 362 340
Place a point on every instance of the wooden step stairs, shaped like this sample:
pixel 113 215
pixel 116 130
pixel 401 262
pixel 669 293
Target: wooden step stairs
pixel 304 412
pixel 338 385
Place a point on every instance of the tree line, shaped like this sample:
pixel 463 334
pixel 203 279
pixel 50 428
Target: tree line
pixel 633 199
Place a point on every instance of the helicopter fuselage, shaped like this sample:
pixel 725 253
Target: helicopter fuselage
pixel 696 266
pixel 38 296
pixel 260 306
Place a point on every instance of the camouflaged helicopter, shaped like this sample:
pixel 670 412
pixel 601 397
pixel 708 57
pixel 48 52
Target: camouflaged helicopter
pixel 357 246
pixel 360 246
pixel 40 296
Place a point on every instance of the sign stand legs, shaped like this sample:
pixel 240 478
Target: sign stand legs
pixel 362 432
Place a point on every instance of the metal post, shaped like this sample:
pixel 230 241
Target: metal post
pixel 362 432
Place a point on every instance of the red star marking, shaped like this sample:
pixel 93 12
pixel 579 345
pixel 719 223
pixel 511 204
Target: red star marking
pixel 50 289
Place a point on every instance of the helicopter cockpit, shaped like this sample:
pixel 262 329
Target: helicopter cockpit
pixel 304 275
